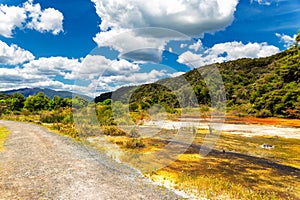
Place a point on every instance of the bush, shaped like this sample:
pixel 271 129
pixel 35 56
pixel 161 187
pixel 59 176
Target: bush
pixel 113 131
pixel 264 113
pixel 50 117
pixel 68 119
pixel 134 144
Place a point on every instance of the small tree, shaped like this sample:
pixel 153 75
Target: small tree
pixel 79 102
pixel 16 102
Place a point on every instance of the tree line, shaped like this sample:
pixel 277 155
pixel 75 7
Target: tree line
pixel 17 102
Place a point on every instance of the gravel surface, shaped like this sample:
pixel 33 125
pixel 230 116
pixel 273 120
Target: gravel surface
pixel 38 164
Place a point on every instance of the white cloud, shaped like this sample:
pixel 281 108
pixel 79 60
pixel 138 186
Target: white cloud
pixel 38 73
pixel 183 45
pixel 13 54
pixel 48 20
pixel 11 18
pixel 286 39
pixel 192 18
pixel 263 2
pixel 235 50
pixel 175 74
pixel 52 66
pixel 147 41
pixel 189 17
pixel 111 83
pixel 30 16
pixel 196 46
pixel 94 66
pixel 43 72
pixel 226 52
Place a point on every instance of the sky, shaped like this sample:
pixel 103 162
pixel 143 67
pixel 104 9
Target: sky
pixel 95 46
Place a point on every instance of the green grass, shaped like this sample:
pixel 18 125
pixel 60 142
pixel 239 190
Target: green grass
pixel 3 136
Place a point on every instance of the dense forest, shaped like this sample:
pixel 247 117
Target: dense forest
pixel 261 87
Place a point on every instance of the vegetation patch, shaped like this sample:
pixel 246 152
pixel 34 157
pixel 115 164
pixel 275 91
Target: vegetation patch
pixel 237 168
pixel 3 136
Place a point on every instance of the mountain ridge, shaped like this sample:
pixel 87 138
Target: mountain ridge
pixel 264 87
pixel 26 92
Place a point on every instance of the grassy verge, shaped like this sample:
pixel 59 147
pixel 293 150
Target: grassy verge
pixel 59 122
pixel 3 135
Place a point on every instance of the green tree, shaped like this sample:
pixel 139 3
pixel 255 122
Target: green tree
pixel 79 102
pixel 37 102
pixel 3 107
pixel 16 102
pixel 55 103
pixel 66 102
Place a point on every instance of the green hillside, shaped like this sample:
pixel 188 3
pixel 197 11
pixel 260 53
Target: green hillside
pixel 262 87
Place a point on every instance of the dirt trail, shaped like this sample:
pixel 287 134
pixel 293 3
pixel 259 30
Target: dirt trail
pixel 38 164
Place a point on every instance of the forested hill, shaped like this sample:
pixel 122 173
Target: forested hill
pixel 26 92
pixel 262 87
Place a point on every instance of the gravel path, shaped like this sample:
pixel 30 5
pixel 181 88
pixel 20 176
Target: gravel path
pixel 38 164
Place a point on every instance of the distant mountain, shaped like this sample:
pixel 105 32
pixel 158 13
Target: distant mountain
pixel 262 87
pixel 26 92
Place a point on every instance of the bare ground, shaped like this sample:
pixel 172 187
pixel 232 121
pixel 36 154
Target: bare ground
pixel 38 164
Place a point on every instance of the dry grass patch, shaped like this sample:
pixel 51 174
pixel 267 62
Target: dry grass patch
pixel 3 136
pixel 230 176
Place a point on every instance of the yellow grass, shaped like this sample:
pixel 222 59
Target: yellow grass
pixel 243 171
pixel 3 136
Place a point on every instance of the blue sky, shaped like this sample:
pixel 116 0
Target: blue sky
pixel 92 46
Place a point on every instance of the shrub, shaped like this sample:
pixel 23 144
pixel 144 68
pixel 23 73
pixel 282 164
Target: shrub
pixel 113 131
pixel 68 119
pixel 264 113
pixel 135 143
pixel 50 117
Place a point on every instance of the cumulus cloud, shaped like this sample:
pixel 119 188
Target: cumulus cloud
pixel 184 17
pixel 11 78
pixel 104 74
pixel 146 42
pixel 111 83
pixel 11 18
pixel 48 20
pixel 31 16
pixel 38 73
pixel 94 66
pixel 44 72
pixel 52 66
pixel 192 18
pixel 196 46
pixel 286 39
pixel 13 54
pixel 226 52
